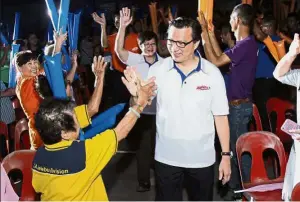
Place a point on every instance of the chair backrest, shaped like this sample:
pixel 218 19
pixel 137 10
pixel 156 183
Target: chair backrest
pixel 4 132
pixel 18 109
pixel 257 119
pixel 256 143
pixel 280 107
pixel 21 129
pixel 22 160
pixel 296 193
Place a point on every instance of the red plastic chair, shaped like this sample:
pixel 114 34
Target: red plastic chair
pixel 18 109
pixel 256 143
pixel 4 132
pixel 280 107
pixel 22 133
pixel 257 119
pixel 296 193
pixel 22 160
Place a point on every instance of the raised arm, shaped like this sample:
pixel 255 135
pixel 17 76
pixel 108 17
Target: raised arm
pixel 144 94
pixel 284 65
pixel 211 55
pixel 213 40
pixel 71 73
pixel 125 20
pixel 60 38
pixel 102 22
pixel 99 70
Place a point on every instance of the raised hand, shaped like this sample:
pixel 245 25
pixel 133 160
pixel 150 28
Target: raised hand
pixel 145 93
pixel 295 46
pixel 99 66
pixel 133 81
pixel 125 18
pixel 75 55
pixel 59 37
pixel 202 20
pixel 99 19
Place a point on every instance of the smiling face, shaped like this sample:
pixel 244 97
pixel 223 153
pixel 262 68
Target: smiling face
pixel 30 69
pixel 148 48
pixel 180 43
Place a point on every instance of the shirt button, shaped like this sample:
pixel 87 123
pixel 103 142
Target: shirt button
pixel 185 82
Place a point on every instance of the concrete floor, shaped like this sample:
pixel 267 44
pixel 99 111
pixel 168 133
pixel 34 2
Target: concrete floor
pixel 120 179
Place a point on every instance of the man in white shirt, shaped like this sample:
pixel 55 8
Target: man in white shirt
pixel 191 98
pixel 145 128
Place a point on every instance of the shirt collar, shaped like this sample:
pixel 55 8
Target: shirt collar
pixel 198 68
pixel 58 146
pixel 156 59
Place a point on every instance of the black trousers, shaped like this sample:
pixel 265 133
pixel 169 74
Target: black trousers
pixel 145 134
pixel 263 90
pixel 170 181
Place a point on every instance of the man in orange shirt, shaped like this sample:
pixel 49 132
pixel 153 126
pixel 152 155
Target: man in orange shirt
pixel 108 43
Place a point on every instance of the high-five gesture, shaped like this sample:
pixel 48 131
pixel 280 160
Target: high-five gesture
pixel 133 81
pixel 125 18
pixel 99 19
pixel 295 46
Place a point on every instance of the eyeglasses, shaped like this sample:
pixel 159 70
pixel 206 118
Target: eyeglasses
pixel 149 44
pixel 179 44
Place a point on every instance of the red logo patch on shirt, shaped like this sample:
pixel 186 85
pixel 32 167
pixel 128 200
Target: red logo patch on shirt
pixel 203 87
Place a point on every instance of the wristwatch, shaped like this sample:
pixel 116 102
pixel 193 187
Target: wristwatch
pixel 227 154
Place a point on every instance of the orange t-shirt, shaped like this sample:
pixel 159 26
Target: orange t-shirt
pixel 30 102
pixel 130 44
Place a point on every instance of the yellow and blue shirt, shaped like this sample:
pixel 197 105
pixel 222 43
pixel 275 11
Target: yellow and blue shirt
pixel 71 170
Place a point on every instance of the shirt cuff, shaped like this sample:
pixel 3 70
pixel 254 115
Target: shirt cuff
pixel 82 116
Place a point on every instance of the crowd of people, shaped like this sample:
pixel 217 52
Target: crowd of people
pixel 183 86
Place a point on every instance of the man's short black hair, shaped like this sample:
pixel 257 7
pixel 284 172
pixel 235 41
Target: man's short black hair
pixel 246 13
pixel 54 116
pixel 183 22
pixel 146 36
pixel 270 21
pixel 23 57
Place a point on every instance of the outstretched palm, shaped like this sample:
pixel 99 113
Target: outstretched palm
pixel 125 18
pixel 133 81
pixel 99 19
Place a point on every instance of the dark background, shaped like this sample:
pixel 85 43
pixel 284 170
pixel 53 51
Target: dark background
pixel 34 16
